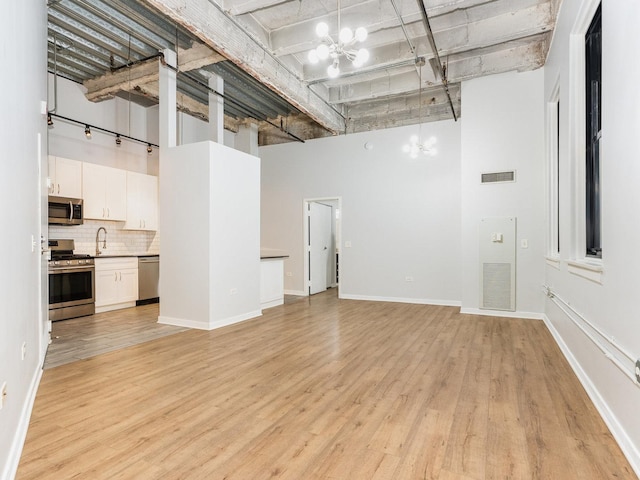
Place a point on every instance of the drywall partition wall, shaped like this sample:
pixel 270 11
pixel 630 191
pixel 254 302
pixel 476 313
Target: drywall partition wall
pixel 503 129
pixel 23 167
pixel 118 115
pixel 400 216
pixel 210 211
pixel 612 305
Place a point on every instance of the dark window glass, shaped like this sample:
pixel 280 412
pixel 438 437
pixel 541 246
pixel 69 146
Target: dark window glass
pixel 593 76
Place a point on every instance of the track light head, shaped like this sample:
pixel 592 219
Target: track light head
pixel 118 140
pixel 49 120
pixel 149 148
pixel 87 132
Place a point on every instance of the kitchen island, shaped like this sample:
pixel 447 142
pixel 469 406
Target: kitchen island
pixel 271 277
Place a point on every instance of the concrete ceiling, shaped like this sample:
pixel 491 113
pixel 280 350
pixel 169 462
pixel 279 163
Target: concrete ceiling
pixel 266 42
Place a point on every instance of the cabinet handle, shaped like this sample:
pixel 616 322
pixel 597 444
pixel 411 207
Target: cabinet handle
pixel 108 213
pixel 102 212
pixel 58 188
pixel 120 276
pixel 116 274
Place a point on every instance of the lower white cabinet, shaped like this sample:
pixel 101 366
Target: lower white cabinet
pixel 116 283
pixel 271 282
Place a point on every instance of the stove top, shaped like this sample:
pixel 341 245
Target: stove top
pixel 68 256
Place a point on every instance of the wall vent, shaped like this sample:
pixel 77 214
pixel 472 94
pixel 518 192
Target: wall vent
pixel 498 263
pixel 498 177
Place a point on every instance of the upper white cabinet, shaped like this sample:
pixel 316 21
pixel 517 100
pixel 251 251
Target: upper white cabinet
pixel 65 177
pixel 104 192
pixel 142 202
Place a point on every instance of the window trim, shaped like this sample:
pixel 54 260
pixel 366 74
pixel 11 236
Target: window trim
pixel 553 174
pixel 577 133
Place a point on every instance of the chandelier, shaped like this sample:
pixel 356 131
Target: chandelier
pixel 345 46
pixel 416 144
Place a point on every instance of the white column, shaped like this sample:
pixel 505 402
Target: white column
pixel 247 139
pixel 216 109
pixel 167 113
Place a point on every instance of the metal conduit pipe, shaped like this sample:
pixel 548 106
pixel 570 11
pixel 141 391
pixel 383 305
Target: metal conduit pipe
pixel 432 42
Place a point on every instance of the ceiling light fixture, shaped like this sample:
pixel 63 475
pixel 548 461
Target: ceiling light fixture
pixel 416 144
pixel 343 47
pixel 87 132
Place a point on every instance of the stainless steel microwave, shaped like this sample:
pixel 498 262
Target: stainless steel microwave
pixel 65 211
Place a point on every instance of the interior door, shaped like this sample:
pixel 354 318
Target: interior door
pixel 319 245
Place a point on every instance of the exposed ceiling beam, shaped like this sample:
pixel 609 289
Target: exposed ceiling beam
pixel 125 79
pixel 208 22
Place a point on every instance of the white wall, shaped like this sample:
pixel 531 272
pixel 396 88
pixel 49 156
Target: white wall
pixel 22 145
pixel 402 216
pixel 502 129
pixel 611 306
pixel 118 115
pixel 210 216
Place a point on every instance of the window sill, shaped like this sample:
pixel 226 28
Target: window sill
pixel 553 261
pixel 586 269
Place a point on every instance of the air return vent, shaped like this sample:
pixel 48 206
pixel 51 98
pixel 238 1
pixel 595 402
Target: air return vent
pixel 498 177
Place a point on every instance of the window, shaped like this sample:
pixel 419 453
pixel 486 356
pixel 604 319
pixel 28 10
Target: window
pixel 593 90
pixel 553 178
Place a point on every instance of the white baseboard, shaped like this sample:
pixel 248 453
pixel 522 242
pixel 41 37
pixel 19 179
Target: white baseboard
pixel 211 324
pixel 626 444
pixel 272 303
pixel 13 460
pixel 115 306
pixel 419 301
pixel 502 313
pixel 298 293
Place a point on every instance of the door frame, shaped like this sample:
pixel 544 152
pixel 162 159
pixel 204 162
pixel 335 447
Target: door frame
pixel 305 239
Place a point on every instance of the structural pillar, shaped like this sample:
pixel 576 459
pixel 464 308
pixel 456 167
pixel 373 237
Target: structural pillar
pixel 167 113
pixel 247 139
pixel 216 109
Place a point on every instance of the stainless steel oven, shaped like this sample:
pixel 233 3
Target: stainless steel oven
pixel 71 282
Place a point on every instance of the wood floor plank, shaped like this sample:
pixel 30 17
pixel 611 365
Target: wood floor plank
pixel 321 389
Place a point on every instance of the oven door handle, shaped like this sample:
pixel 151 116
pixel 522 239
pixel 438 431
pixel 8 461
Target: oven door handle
pixel 81 268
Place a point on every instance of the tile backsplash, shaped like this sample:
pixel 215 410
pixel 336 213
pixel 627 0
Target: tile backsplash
pixel 119 242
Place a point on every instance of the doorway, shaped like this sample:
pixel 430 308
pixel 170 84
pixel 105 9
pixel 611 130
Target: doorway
pixel 322 227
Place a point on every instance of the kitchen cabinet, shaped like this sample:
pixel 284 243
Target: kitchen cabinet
pixel 116 283
pixel 65 177
pixel 142 202
pixel 271 282
pixel 104 192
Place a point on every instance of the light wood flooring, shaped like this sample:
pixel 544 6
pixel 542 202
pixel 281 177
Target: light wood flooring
pixel 325 389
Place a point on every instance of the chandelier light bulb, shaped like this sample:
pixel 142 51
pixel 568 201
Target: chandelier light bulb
pixel 322 29
pixel 362 56
pixel 361 34
pixel 333 70
pixel 322 51
pixel 313 57
pixel 346 35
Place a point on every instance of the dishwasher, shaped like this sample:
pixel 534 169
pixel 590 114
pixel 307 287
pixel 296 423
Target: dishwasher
pixel 148 275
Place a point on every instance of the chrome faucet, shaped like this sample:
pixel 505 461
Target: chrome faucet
pixel 104 242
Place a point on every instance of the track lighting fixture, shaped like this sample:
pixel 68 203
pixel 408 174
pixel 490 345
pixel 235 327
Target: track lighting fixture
pixel 118 140
pixel 87 132
pixel 149 148
pixel 49 120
